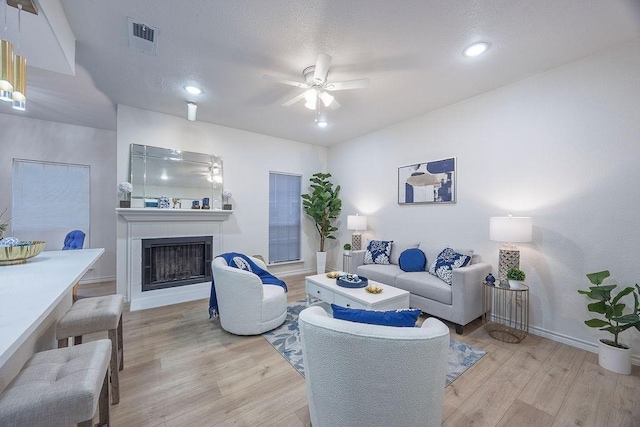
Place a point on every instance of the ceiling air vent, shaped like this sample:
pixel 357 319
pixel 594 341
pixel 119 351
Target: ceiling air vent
pixel 143 37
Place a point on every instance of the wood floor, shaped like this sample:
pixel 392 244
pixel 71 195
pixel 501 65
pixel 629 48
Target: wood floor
pixel 181 369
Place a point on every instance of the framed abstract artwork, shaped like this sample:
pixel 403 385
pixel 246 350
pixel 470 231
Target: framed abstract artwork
pixel 428 182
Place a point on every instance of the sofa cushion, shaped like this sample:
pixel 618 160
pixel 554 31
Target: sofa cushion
pixel 413 260
pixel 425 285
pixel 399 318
pixel 446 262
pixel 397 249
pixel 379 273
pixel 378 252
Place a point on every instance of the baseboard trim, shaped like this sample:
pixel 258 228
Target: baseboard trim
pixel 306 272
pixel 574 342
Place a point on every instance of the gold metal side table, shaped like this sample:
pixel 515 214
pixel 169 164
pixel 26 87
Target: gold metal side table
pixel 506 312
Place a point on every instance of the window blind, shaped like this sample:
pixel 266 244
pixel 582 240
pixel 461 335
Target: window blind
pixel 284 217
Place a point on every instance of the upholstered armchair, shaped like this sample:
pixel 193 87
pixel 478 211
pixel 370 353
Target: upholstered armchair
pixel 368 375
pixel 245 305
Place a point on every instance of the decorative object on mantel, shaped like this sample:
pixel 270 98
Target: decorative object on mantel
pixel 509 230
pixel 612 355
pixel 3 225
pixel 205 203
pixel 322 205
pixel 195 204
pixel 125 188
pixel 226 195
pixel 12 251
pixel 163 202
pixel 176 203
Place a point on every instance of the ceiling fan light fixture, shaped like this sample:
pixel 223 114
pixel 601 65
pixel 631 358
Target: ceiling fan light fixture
pixel 326 98
pixel 476 49
pixel 193 90
pixel 322 123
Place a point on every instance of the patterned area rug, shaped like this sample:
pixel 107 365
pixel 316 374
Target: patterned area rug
pixel 286 340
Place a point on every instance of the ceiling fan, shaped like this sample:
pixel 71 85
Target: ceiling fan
pixel 317 86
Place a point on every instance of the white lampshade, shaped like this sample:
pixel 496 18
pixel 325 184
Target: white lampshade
pixel 511 229
pixel 356 222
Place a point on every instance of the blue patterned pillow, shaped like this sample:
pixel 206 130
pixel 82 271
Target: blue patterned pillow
pixel 378 252
pixel 446 262
pixel 401 318
pixel 412 260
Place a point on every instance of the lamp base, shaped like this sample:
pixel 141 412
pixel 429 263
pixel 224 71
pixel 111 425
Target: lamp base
pixel 508 259
pixel 356 241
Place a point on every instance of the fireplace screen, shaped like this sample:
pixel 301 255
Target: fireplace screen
pixel 179 261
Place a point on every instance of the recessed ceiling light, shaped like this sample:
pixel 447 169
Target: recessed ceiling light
pixel 476 49
pixel 193 90
pixel 322 123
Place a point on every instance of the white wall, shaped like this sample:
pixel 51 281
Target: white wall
pixel 31 139
pixel 247 160
pixel 562 147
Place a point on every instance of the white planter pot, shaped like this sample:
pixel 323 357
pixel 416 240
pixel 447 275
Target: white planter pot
pixel 516 284
pixel 614 359
pixel 321 262
pixel 347 252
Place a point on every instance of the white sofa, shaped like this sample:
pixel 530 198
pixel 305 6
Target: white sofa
pixel 245 305
pixel 459 303
pixel 369 375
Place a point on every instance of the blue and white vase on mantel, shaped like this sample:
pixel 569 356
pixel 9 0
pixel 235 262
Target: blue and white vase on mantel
pixel 163 202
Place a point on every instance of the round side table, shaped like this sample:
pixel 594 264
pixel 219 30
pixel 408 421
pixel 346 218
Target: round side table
pixel 506 312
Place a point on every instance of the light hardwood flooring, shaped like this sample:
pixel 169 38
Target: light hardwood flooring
pixel 181 369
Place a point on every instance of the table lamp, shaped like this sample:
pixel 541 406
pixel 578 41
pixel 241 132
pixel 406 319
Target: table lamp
pixel 357 223
pixel 509 230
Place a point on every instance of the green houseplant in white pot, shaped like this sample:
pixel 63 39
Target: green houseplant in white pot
pixel 347 248
pixel 612 354
pixel 323 205
pixel 516 277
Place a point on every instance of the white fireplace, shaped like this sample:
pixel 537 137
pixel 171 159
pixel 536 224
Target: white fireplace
pixel 151 223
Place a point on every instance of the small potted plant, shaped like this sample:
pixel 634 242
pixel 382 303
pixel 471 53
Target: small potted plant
pixel 347 248
pixel 516 277
pixel 612 355
pixel 125 189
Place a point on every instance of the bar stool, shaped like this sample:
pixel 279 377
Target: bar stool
pixel 91 315
pixel 60 387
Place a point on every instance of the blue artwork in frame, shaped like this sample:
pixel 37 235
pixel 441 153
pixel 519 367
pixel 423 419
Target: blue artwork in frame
pixel 429 182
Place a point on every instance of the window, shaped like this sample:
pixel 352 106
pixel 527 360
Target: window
pixel 50 200
pixel 284 217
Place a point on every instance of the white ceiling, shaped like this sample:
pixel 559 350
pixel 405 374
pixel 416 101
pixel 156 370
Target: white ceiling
pixel 411 50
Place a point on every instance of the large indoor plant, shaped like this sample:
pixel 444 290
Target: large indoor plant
pixel 612 354
pixel 323 205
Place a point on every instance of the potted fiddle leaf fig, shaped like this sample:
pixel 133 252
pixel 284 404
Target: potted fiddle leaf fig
pixel 612 354
pixel 323 205
pixel 516 277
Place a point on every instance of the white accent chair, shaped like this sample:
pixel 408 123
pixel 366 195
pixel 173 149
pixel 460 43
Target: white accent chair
pixel 368 375
pixel 245 305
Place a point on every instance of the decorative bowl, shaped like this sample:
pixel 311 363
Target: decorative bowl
pixel 373 289
pixel 347 281
pixel 19 254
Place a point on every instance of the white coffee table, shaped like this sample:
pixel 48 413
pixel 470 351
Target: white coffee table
pixel 320 286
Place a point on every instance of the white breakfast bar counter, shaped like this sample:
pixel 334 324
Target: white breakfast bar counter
pixel 33 296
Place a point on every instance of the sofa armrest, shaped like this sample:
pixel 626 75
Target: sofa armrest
pixel 466 288
pixel 357 259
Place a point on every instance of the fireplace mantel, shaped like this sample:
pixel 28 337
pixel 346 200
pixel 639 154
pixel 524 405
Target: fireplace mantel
pixel 154 214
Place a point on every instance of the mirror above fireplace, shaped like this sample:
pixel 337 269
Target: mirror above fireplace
pixel 182 176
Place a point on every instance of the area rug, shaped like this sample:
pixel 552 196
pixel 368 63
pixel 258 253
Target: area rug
pixel 286 340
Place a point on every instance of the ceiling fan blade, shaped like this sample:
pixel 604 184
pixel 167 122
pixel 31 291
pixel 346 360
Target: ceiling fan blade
pixel 334 105
pixel 287 82
pixel 349 84
pixel 322 68
pixel 294 100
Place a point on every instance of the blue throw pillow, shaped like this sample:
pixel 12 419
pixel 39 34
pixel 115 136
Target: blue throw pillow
pixel 412 260
pixel 400 318
pixel 446 262
pixel 378 252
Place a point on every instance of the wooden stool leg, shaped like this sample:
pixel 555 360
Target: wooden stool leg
pixel 120 346
pixel 77 340
pixel 115 384
pixel 104 401
pixel 63 343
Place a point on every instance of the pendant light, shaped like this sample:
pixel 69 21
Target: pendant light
pixel 19 73
pixel 6 64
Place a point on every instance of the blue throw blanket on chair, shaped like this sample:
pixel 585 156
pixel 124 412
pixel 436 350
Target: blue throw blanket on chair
pixel 242 262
